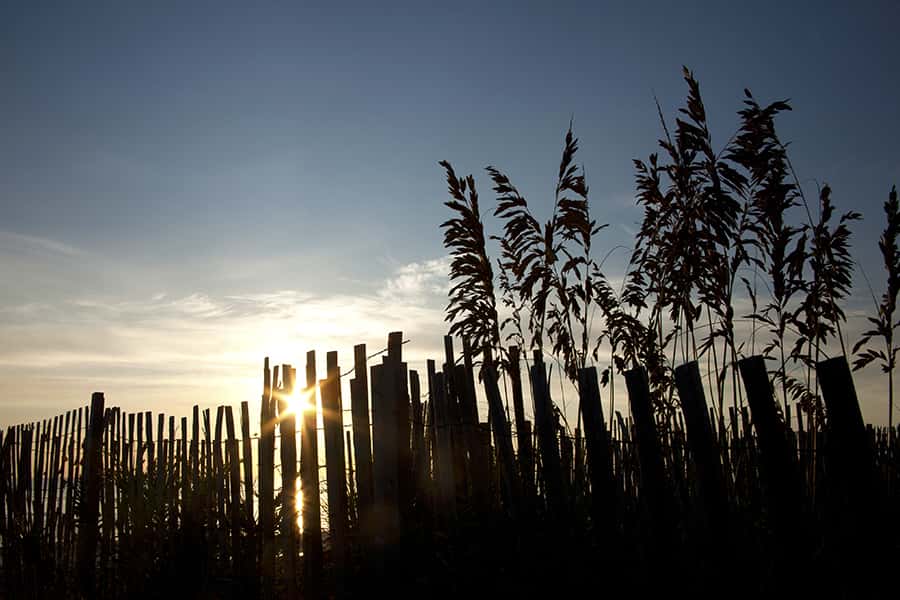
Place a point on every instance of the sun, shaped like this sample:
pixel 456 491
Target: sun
pixel 298 401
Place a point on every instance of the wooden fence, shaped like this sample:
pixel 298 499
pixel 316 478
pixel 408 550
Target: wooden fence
pixel 102 503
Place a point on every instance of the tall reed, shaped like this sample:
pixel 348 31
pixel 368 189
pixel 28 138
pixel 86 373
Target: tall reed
pixel 883 322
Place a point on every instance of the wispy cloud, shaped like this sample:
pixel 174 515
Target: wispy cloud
pixel 418 280
pixel 17 242
pixel 164 347
pixel 170 349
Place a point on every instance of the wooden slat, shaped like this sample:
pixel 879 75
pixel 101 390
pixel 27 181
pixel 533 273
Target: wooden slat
pixel 443 457
pixel 234 512
pixel 419 449
pixel 362 438
pixel 89 505
pixel 249 554
pixel 333 421
pixel 218 489
pixel 160 444
pixel 600 467
pixel 855 501
pixel 385 453
pixel 247 452
pixel 546 429
pixel 267 483
pixel 288 429
pixel 523 437
pixel 309 485
pixel 653 483
pixel 148 440
pixel 512 488
pixel 710 479
pixel 779 467
pixel 37 494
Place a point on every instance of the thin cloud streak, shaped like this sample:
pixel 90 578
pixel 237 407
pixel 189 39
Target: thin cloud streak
pixel 18 242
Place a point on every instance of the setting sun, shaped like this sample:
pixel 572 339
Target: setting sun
pixel 298 401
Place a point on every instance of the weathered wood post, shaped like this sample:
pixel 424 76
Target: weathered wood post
pixel 654 487
pixel 362 437
pixel 333 419
pixel 849 452
pixel 288 424
pixel 234 512
pixel 461 440
pixel 478 458
pixel 385 451
pixel 856 506
pixel 218 490
pixel 546 430
pixel 443 455
pixel 90 503
pixel 267 483
pixel 710 481
pixel 405 480
pixel 247 451
pixel 603 492
pixel 780 470
pixel 309 485
pixel 523 427
pixel 512 487
pixel 420 454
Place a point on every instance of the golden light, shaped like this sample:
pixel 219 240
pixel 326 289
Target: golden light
pixel 298 505
pixel 299 401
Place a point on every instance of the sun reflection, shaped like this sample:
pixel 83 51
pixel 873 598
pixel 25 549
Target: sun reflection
pixel 298 504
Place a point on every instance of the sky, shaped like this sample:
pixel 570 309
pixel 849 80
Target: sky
pixel 188 187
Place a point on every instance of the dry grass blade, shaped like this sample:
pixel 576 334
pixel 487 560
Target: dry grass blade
pixel 472 309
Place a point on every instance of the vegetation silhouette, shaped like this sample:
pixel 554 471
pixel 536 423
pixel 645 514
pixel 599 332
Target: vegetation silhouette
pixel 728 321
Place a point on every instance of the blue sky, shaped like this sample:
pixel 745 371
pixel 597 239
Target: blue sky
pixel 187 186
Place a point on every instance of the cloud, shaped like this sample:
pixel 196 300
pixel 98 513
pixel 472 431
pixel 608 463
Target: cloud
pixel 17 242
pixel 418 280
pixel 170 351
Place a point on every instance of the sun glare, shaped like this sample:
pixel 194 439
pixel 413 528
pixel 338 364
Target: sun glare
pixel 298 401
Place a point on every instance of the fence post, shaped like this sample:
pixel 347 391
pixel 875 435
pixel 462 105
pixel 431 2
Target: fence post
pixel 333 419
pixel 267 483
pixel 780 470
pixel 234 512
pixel 523 428
pixel 453 413
pixel 512 488
pixel 247 451
pixel 546 429
pixel 849 452
pixel 703 449
pixel 855 503
pixel 443 444
pixel 478 456
pixel 420 464
pixel 90 486
pixel 653 482
pixel 218 491
pixel 385 440
pixel 599 458
pixel 362 436
pixel 288 429
pixel 309 486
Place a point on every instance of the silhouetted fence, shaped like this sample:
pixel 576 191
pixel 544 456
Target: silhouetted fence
pixel 116 504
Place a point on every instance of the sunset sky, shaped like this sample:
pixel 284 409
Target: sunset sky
pixel 186 188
